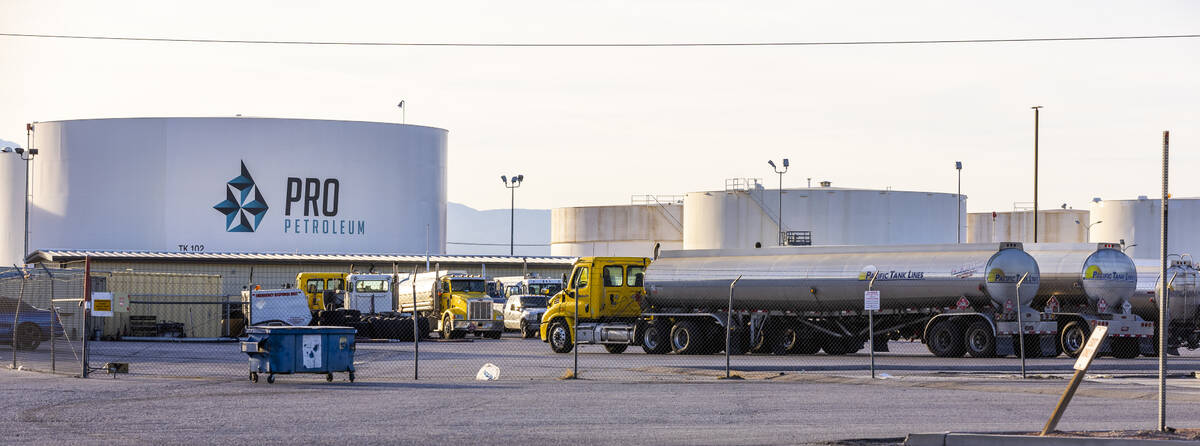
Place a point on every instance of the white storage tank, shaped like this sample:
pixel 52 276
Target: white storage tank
pixel 625 231
pixel 1054 226
pixel 1138 223
pixel 745 215
pixel 238 185
pixel 12 206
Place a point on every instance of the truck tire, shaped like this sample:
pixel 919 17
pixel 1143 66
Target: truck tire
pixel 560 336
pixel 739 340
pixel 841 345
pixel 686 338
pixel 1073 337
pixel 809 345
pixel 780 339
pixel 654 339
pixel 616 349
pixel 1124 348
pixel 946 339
pixel 979 340
pixel 526 333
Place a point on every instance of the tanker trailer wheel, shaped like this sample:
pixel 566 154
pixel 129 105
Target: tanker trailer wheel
pixel 739 340
pixel 979 340
pixel 616 349
pixel 560 337
pixel 807 345
pixel 1125 348
pixel 686 337
pixel 1073 337
pixel 946 340
pixel 781 339
pixel 841 345
pixel 654 339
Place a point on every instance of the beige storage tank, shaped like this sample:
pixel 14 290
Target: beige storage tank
pixel 1054 226
pixel 1137 222
pixel 746 215
pixel 631 231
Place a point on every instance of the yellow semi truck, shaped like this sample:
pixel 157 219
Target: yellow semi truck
pixel 608 291
pixel 454 302
pixel 315 285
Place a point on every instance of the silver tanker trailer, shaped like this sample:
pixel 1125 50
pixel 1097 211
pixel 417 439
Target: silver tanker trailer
pixel 1183 300
pixel 1084 285
pixel 957 298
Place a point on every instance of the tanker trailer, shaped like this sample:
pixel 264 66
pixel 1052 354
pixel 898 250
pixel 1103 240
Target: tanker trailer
pixel 1183 299
pixel 807 299
pixel 1085 285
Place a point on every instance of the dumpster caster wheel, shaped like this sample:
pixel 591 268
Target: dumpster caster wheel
pixel 328 377
pixel 351 376
pixel 253 377
pixel 271 379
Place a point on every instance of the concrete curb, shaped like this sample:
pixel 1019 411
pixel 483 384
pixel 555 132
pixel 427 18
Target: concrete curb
pixel 960 439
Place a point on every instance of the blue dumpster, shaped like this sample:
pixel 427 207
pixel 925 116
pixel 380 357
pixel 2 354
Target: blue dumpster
pixel 286 350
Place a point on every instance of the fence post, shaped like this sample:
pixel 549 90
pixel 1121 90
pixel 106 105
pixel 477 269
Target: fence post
pixel 54 314
pixel 729 322
pixel 16 315
pixel 416 326
pixel 87 312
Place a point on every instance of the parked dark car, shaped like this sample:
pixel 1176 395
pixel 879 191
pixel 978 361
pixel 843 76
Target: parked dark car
pixel 32 324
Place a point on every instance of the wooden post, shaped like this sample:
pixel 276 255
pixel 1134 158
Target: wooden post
pixel 1081 366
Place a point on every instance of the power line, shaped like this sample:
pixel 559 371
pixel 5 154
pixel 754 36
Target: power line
pixel 604 45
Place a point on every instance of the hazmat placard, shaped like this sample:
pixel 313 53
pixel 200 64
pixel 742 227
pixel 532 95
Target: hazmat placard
pixel 102 304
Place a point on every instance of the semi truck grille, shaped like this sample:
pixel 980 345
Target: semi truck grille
pixel 479 309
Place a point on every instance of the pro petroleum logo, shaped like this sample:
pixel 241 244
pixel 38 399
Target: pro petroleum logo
pixel 244 206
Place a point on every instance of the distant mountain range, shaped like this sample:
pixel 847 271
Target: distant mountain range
pixel 476 232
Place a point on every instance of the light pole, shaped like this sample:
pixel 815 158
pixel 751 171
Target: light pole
pixel 958 209
pixel 403 111
pixel 1036 110
pixel 512 213
pixel 1088 229
pixel 21 153
pixel 780 172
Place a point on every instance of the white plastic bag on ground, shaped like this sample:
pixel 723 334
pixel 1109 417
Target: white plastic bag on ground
pixel 489 372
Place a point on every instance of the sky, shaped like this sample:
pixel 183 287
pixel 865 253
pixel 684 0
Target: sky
pixel 593 126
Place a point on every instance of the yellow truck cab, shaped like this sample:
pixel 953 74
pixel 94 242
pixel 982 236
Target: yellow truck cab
pixel 315 285
pixel 454 302
pixel 608 291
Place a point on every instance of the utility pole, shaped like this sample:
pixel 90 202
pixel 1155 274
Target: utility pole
pixel 1036 110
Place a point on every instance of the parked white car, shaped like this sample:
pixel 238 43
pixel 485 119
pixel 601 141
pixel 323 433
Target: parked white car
pixel 524 312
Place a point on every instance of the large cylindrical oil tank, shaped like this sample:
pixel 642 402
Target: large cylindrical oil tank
pixel 833 278
pixel 618 231
pixel 1183 297
pixel 1081 276
pixel 1138 223
pixel 746 215
pixel 238 184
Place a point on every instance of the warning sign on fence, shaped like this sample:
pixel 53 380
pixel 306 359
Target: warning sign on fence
pixel 102 304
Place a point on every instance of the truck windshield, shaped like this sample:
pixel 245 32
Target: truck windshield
pixel 468 285
pixel 370 286
pixel 534 301
pixel 544 289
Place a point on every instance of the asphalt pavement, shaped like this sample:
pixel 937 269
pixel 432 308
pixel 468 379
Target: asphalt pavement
pixel 792 409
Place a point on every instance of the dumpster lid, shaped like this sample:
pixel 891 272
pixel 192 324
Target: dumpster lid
pixel 301 330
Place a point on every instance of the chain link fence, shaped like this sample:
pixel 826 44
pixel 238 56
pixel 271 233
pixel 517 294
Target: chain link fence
pixel 191 322
pixel 41 319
